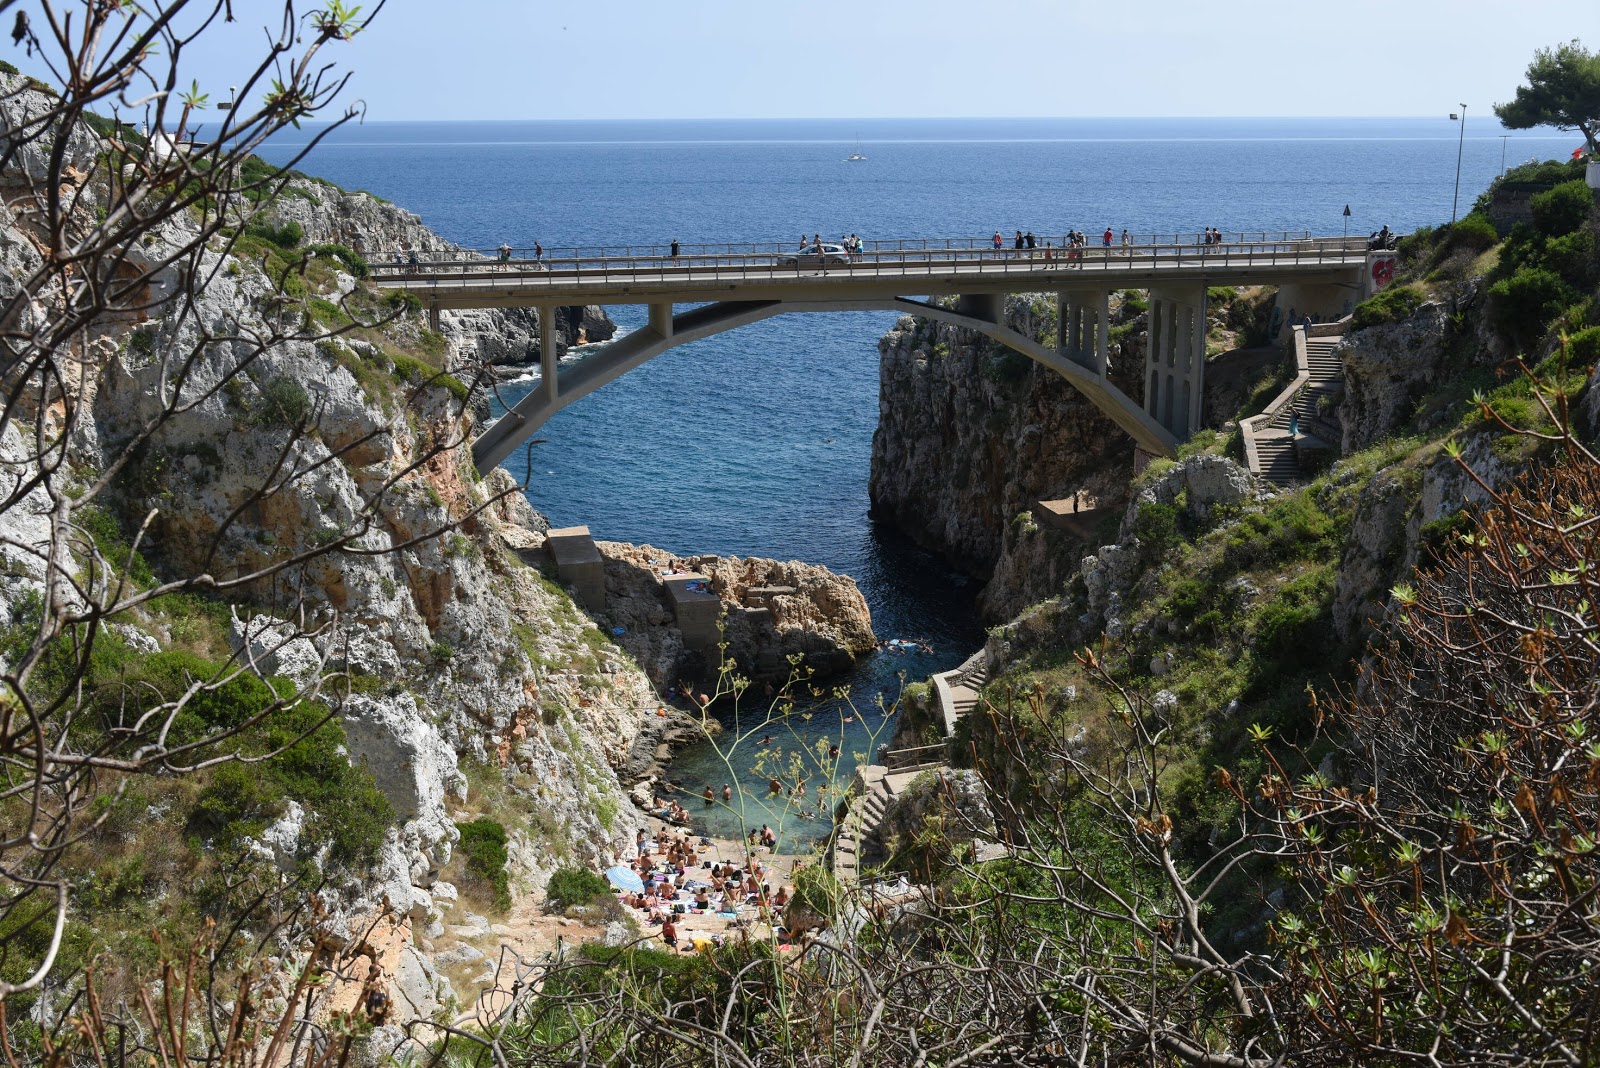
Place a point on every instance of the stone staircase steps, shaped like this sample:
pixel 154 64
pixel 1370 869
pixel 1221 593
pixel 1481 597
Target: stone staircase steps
pixel 1276 458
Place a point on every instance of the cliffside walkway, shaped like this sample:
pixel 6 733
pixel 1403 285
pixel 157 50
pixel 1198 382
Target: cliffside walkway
pixel 736 285
pixel 1270 449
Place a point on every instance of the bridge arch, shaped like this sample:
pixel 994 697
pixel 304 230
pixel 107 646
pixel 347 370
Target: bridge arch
pixel 665 331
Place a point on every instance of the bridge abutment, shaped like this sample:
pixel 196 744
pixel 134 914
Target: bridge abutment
pixel 1175 360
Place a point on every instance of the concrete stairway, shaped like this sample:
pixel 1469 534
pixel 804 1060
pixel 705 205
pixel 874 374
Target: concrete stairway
pixel 874 788
pixel 1272 451
pixel 959 689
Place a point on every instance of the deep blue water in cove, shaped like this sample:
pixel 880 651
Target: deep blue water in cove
pixel 757 442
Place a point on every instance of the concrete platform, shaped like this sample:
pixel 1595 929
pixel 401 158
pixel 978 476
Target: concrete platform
pixel 697 610
pixel 580 565
pixel 1077 517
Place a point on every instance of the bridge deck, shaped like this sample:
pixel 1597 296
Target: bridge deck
pixel 481 282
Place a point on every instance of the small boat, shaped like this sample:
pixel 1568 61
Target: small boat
pixel 856 156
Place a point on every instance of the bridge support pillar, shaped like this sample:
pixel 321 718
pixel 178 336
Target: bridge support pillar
pixel 661 319
pixel 1175 363
pixel 988 307
pixel 549 340
pixel 433 318
pixel 1083 325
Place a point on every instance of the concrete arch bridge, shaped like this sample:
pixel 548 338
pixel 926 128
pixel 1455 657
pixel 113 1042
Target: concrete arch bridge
pixel 731 286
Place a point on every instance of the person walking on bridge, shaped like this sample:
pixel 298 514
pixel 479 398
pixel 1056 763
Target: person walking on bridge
pixel 998 243
pixel 1017 246
pixel 674 248
pixel 1127 243
pixel 1029 241
pixel 1105 239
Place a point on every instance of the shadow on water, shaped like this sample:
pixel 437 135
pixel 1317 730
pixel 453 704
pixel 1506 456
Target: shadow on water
pixel 763 739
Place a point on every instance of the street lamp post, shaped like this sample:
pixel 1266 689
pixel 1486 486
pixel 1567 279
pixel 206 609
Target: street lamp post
pixel 1347 222
pixel 1460 144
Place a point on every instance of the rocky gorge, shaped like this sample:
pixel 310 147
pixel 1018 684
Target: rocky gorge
pixel 349 553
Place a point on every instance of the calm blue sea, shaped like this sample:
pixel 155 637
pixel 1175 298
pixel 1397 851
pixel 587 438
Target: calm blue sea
pixel 757 442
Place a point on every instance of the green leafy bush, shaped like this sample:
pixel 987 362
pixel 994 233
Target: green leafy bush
pixel 287 236
pixel 1520 306
pixel 1392 305
pixel 346 811
pixel 1156 527
pixel 108 537
pixel 1475 233
pixel 483 842
pixel 574 886
pixel 284 403
pixel 1583 348
pixel 353 261
pixel 1563 209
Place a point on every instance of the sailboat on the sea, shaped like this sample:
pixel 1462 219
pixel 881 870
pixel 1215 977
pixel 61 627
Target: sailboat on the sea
pixel 856 156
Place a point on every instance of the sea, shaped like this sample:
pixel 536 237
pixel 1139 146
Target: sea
pixel 757 442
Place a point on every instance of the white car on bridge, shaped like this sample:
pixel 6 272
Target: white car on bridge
pixel 823 256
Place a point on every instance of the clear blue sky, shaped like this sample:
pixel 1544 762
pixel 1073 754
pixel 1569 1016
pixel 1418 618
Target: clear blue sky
pixel 603 59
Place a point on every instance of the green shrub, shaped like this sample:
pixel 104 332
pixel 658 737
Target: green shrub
pixel 1391 305
pixel 1583 348
pixel 1563 209
pixel 284 403
pixel 106 533
pixel 1573 256
pixel 1293 631
pixel 483 842
pixel 1475 233
pixel 347 813
pixel 399 300
pixel 8 68
pixel 1521 306
pixel 574 886
pixel 1221 294
pixel 287 236
pixel 353 261
pixel 1435 537
pixel 412 370
pixel 327 313
pixel 1156 527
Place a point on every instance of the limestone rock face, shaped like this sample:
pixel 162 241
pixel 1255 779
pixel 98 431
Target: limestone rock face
pixel 971 434
pixel 1380 547
pixel 462 653
pixel 774 610
pixel 1387 369
pixel 1202 482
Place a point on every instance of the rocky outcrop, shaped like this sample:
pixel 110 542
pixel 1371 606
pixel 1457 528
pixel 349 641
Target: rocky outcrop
pixel 774 611
pixel 1380 546
pixel 463 661
pixel 971 434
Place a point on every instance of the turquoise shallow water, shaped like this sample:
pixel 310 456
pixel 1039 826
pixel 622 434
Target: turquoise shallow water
pixel 757 442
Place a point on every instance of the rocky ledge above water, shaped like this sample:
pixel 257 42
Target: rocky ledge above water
pixel 774 610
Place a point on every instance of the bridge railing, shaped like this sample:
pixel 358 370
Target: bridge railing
pixel 591 253
pixel 962 256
